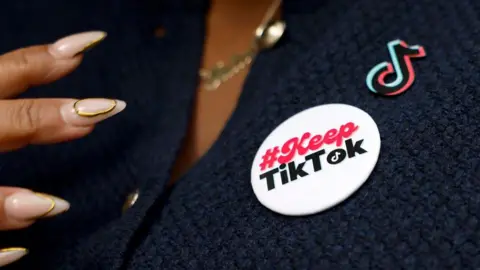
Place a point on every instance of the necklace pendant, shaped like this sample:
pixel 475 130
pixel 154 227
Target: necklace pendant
pixel 213 78
pixel 266 36
pixel 220 73
pixel 217 75
pixel 212 85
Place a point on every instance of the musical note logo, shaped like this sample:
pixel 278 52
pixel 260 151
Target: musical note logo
pixel 336 157
pixel 401 67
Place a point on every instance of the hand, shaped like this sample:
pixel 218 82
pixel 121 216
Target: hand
pixel 42 121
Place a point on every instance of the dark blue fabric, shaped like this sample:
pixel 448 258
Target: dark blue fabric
pixel 418 210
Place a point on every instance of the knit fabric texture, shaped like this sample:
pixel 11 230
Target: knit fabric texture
pixel 419 208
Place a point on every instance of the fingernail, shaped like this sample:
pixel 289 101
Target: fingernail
pixel 86 112
pixel 30 205
pixel 73 45
pixel 9 255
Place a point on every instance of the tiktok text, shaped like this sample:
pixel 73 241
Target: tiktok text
pixel 291 170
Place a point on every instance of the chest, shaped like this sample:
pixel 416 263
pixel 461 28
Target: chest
pixel 224 52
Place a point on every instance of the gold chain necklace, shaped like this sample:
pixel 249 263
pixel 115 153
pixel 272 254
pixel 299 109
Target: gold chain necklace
pixel 267 34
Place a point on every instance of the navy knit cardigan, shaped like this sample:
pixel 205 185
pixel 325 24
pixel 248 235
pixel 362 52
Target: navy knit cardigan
pixel 419 208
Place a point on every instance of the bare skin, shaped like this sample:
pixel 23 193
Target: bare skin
pixel 230 28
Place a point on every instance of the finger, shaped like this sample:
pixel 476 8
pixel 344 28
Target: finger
pixel 43 64
pixel 42 121
pixel 20 208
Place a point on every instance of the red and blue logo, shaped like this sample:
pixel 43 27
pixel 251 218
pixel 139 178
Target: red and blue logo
pixel 401 67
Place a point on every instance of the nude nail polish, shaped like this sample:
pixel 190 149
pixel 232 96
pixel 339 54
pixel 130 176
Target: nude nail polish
pixel 10 255
pixel 86 112
pixel 30 205
pixel 73 45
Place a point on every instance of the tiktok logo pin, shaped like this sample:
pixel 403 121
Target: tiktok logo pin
pixel 401 66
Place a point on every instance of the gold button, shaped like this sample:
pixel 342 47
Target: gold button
pixel 159 32
pixel 131 200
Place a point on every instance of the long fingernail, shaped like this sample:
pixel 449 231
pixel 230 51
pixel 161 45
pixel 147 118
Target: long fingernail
pixel 73 45
pixel 86 112
pixel 9 255
pixel 30 205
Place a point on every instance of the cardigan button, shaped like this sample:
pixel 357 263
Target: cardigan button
pixel 130 201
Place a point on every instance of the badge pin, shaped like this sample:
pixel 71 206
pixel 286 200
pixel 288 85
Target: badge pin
pixel 400 66
pixel 313 161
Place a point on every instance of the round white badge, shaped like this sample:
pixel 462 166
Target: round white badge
pixel 315 159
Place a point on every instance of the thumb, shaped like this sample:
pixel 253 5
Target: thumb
pixel 43 64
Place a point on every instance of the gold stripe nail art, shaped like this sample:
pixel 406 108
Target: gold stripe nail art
pixel 93 114
pixel 52 204
pixel 92 44
pixel 13 249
